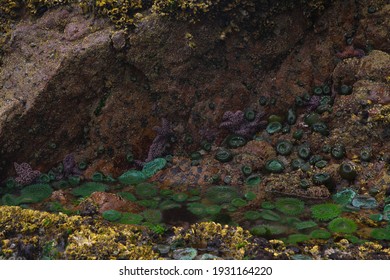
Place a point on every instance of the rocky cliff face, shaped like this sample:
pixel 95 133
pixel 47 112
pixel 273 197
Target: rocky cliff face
pixel 72 82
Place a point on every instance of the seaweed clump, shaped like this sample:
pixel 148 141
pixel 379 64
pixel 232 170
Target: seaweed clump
pixel 76 237
pixel 233 240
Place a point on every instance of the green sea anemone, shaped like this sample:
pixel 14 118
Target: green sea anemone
pixel 127 196
pixel 267 205
pixel 291 221
pixel 168 204
pixel 250 196
pixel 130 219
pixel 344 197
pixel 74 180
pixel 297 238
pixel 284 147
pixel 304 151
pixel 35 193
pixel 274 166
pixel 305 225
pixel 87 189
pixel 338 151
pixel 297 163
pixel 221 194
pixel 180 197
pixel 269 215
pixel 252 215
pixel 253 180
pixel 290 206
pixel 325 211
pixel 273 127
pixel 97 177
pixel 246 170
pixel 321 128
pixel 153 216
pixel 347 171
pixel 376 217
pixel 380 233
pixel 152 167
pixel 223 155
pixel 365 154
pixel 239 202
pixel 298 134
pixel 44 178
pixel 148 203
pixel 197 209
pixel 320 234
pixel 235 141
pixel 132 177
pixel 112 215
pixel 213 209
pixel 146 190
pixel 291 116
pixel 342 225
pixel 10 200
pixel 268 230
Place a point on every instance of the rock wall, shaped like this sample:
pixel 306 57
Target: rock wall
pixel 73 83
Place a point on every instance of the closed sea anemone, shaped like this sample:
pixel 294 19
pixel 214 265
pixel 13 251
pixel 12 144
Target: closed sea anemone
pixel 325 211
pixel 290 206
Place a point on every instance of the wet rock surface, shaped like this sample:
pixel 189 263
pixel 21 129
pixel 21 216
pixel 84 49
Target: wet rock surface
pixel 72 84
pixel 300 111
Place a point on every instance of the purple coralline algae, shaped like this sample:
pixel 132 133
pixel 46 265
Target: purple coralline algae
pixel 25 174
pixel 237 124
